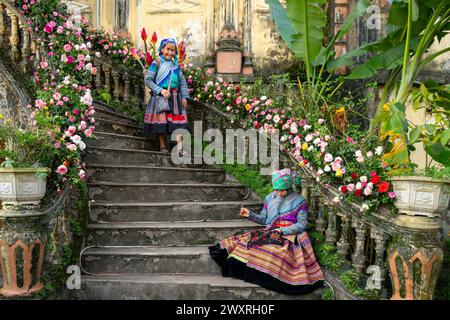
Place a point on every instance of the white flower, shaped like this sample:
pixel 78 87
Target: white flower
pixel 358 154
pixel 294 129
pixel 338 160
pixel 310 148
pixel 308 137
pixel 321 121
pixel 379 150
pixel 317 141
pixel 328 157
pixel 82 145
pixel 363 179
pixel 369 154
pixel 276 119
pixel 98 54
pixel 284 138
pixel 319 172
pixel 358 186
pixel 368 191
pixel 364 207
pixel 263 98
pixel 307 127
pixel 327 169
pixel 76 139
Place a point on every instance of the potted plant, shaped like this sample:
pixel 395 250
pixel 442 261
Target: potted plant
pixel 427 192
pixel 25 155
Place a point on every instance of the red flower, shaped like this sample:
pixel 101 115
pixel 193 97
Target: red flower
pixel 375 180
pixel 358 192
pixel 344 189
pixel 148 59
pixel 354 176
pixel 143 34
pixel 383 187
pixel 154 38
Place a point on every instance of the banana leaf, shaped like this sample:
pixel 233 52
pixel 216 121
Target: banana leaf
pixel 282 21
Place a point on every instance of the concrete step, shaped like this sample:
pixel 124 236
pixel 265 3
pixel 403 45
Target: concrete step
pixel 112 140
pixel 133 173
pixel 140 260
pixel 104 112
pixel 163 211
pixel 118 127
pixel 177 287
pixel 185 233
pixel 119 156
pixel 157 192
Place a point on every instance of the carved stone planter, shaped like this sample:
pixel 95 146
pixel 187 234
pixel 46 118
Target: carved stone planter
pixel 421 196
pixel 20 187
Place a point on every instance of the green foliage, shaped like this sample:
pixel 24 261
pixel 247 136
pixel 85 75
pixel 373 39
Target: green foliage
pixel 250 177
pixel 24 148
pixel 327 294
pixel 76 228
pixel 129 108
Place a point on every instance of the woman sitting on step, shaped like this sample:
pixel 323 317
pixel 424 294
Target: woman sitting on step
pixel 165 78
pixel 278 257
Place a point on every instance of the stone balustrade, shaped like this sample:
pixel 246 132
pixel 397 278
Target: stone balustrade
pixel 119 81
pixel 15 37
pixel 401 255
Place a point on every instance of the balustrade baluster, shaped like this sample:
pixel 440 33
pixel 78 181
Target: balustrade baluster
pixel 98 76
pixel 2 25
pixel 343 244
pixel 126 92
pixel 116 78
pixel 381 239
pixel 25 48
pixel 321 223
pixel 331 233
pixel 358 258
pixel 107 71
pixel 14 38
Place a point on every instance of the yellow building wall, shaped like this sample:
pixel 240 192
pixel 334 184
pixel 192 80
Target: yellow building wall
pixel 197 23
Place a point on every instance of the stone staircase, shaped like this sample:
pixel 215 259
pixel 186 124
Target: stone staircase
pixel 151 222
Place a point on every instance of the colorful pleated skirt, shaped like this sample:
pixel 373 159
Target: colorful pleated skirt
pixel 289 266
pixel 165 122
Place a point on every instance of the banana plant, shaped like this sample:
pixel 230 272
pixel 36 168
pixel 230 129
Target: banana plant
pixel 412 27
pixel 434 134
pixel 302 26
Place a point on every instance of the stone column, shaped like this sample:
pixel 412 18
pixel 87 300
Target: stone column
pixel 415 258
pixel 359 259
pixel 22 248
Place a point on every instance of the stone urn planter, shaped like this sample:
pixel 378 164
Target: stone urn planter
pixel 22 186
pixel 421 196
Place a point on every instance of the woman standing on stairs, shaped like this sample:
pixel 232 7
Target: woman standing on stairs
pixel 280 256
pixel 165 78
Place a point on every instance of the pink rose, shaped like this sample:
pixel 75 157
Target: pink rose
pixel 62 170
pixel 67 48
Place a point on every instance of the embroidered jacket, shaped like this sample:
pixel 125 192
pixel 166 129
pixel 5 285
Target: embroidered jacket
pixel 158 79
pixel 290 211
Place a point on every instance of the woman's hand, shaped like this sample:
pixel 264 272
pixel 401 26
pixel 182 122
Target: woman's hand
pixel 165 93
pixel 184 102
pixel 244 212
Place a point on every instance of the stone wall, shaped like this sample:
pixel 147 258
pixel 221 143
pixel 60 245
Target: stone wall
pixel 14 95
